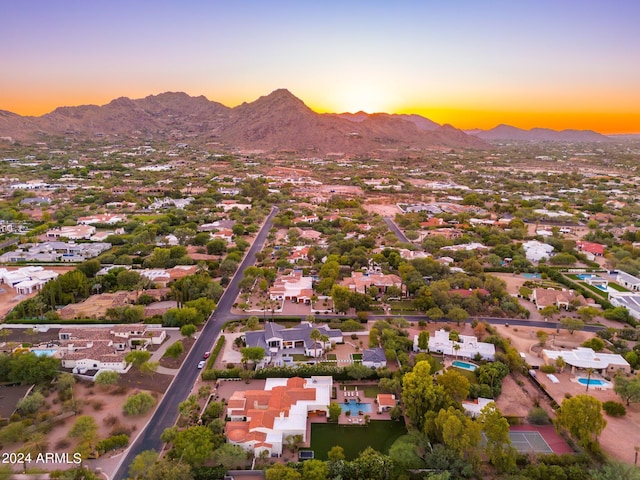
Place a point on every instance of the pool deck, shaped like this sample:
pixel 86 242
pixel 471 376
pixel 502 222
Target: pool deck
pixel 354 420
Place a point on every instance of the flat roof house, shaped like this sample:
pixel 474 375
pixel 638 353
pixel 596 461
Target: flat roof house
pixel 584 358
pixel 467 346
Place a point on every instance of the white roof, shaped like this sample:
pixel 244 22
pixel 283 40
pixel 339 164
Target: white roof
pixel 583 357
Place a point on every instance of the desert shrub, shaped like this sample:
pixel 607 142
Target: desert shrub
pixel 107 377
pixel 121 390
pixel 97 405
pixel 31 404
pixel 538 416
pixel 614 409
pixel 110 420
pixel 138 404
pixel 120 429
pixel 62 444
pixel 548 369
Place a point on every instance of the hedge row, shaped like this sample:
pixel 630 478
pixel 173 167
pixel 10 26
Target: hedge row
pixel 338 373
pixel 112 443
pixel 209 373
pixel 216 351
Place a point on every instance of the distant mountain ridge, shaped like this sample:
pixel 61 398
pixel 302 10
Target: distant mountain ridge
pixel 278 121
pixel 507 132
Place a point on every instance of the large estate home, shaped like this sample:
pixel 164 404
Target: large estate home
pixel 628 300
pixel 26 280
pixel 96 349
pixel 466 346
pixel 54 251
pixel 74 232
pixel 584 358
pixel 360 282
pixel 545 297
pixel 261 420
pixel 628 281
pixel 275 338
pixel 104 218
pixel 294 286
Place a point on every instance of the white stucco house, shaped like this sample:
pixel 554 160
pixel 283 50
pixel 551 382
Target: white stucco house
pixel 466 347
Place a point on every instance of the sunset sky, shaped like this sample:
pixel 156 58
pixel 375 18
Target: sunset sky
pixel 544 63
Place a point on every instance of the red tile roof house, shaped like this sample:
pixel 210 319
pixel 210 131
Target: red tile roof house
pixel 385 401
pixel 360 282
pixel 223 233
pixel 261 420
pixel 544 297
pixel 293 286
pixel 596 249
pixel 299 254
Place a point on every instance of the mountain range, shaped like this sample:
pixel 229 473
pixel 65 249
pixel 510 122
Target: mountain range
pixel 507 132
pixel 278 121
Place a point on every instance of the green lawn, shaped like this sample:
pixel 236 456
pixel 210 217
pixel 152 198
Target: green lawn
pixel 332 356
pixel 403 306
pixel 466 373
pixel 617 287
pixel 595 290
pixel 371 391
pixel 356 356
pixel 379 434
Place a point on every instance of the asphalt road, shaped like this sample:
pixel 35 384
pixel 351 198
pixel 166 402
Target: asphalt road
pixel 394 228
pixel 166 414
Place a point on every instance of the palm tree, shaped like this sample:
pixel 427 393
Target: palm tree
pixel 589 372
pixel 324 339
pixel 560 364
pixel 456 347
pixel 315 335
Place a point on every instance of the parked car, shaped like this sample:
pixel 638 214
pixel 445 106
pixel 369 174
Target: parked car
pixel 206 355
pixel 201 364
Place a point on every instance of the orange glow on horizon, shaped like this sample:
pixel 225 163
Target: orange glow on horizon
pixel 370 101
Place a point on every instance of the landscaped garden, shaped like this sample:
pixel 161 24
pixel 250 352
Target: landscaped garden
pixel 378 434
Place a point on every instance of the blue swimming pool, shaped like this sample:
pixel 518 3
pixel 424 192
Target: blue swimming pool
pixel 464 365
pixel 44 352
pixel 531 275
pixel 592 382
pixel 353 407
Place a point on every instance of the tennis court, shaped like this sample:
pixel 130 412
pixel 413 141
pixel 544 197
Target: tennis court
pixel 526 442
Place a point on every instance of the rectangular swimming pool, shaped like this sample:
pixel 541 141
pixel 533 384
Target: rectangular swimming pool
pixel 44 352
pixel 592 382
pixel 464 365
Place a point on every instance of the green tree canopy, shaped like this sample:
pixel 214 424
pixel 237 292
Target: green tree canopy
pixel 582 417
pixel 193 445
pixel 137 357
pixel 419 394
pixel 498 443
pixel 627 387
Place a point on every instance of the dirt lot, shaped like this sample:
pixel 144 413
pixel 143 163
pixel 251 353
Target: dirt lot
pixel 104 404
pixel 384 209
